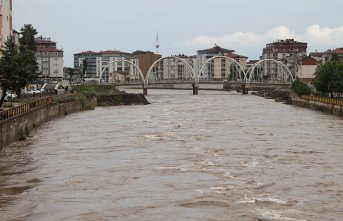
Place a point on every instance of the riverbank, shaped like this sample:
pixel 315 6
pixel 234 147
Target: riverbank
pixel 18 126
pixel 279 95
pixel 333 109
pixel 289 97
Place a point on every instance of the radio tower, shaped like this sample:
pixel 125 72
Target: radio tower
pixel 157 45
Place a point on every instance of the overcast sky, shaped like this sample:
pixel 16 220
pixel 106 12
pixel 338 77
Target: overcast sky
pixel 184 26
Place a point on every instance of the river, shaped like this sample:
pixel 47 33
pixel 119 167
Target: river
pixel 212 157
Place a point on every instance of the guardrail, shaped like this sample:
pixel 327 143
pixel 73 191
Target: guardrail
pixel 16 111
pixel 326 100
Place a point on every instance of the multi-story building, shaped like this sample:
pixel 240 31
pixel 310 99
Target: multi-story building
pixel 307 68
pixel 96 62
pixel 118 70
pixel 5 21
pixel 219 68
pixel 144 60
pixel 49 58
pixel 288 51
pixel 327 55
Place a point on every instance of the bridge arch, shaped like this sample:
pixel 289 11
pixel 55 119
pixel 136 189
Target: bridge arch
pixel 123 60
pixel 224 57
pixel 254 66
pixel 161 59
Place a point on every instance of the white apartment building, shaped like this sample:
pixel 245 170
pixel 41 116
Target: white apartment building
pixel 118 69
pixel 49 58
pixel 219 68
pixel 307 68
pixel 5 21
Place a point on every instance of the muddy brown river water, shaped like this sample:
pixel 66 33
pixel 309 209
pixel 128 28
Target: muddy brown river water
pixel 212 157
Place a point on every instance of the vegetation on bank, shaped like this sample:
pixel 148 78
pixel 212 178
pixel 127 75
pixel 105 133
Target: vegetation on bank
pixel 301 88
pixel 18 65
pixel 329 78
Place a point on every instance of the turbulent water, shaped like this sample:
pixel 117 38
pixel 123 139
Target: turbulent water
pixel 212 157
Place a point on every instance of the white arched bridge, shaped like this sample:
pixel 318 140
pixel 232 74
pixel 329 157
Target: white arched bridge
pixel 178 71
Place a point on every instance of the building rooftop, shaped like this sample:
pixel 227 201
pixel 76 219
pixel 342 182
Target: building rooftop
pixel 107 52
pixel 215 50
pixel 43 40
pixel 49 49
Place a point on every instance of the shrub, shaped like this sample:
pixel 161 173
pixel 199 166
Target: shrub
pixel 301 88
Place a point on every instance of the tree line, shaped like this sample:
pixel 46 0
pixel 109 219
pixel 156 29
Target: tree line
pixel 18 64
pixel 329 78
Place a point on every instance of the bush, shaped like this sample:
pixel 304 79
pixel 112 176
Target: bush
pixel 301 88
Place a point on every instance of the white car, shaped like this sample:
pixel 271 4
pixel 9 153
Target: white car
pixel 9 96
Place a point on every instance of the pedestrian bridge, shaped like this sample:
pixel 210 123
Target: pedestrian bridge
pixel 265 73
pixel 205 85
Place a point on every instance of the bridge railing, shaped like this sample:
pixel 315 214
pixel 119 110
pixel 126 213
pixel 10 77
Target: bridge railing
pixel 326 100
pixel 24 108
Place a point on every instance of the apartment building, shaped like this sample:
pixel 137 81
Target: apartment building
pixel 219 68
pixel 5 21
pixel 289 52
pixel 327 55
pixel 118 70
pixel 307 68
pixel 144 60
pixel 49 58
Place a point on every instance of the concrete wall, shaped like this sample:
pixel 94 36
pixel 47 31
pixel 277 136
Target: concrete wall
pixel 319 106
pixel 10 129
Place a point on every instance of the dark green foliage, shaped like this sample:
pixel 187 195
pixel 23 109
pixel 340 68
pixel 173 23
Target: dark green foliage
pixel 13 70
pixel 28 48
pixel 301 88
pixel 18 65
pixel 329 77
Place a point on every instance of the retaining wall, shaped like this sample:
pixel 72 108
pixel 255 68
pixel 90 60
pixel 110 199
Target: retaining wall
pixel 319 106
pixel 11 129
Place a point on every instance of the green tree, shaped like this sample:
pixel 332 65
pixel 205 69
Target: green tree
pixel 28 48
pixel 301 88
pixel 70 72
pixel 329 77
pixel 12 70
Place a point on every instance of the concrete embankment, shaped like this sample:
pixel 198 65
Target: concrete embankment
pixel 18 127
pixel 287 96
pixel 318 106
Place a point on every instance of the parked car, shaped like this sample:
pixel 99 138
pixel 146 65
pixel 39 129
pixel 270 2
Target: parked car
pixel 9 96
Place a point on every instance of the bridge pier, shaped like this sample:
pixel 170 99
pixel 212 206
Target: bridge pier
pixel 145 91
pixel 195 89
pixel 245 89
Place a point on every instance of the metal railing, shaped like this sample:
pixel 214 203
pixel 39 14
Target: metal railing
pixel 326 100
pixel 16 111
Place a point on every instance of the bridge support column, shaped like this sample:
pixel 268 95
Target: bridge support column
pixel 145 91
pixel 245 89
pixel 195 89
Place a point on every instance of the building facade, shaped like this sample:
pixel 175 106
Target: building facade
pixel 118 70
pixel 49 58
pixel 144 60
pixel 307 68
pixel 289 52
pixel 327 55
pixel 220 68
pixel 5 21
